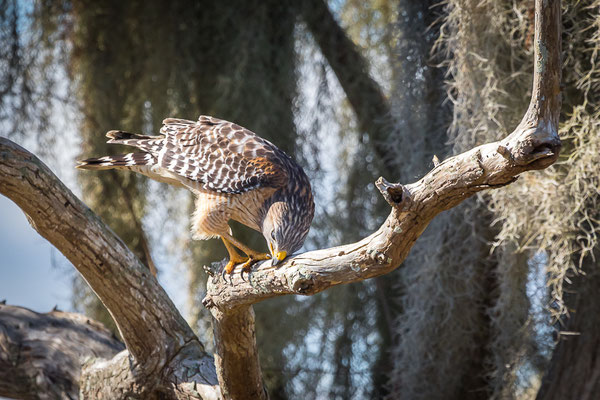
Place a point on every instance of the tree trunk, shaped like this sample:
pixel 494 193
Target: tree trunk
pixel 237 355
pixel 574 371
pixel 364 94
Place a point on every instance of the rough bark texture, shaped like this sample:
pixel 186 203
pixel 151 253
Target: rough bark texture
pixel 41 354
pixel 534 144
pixel 237 355
pixel 164 350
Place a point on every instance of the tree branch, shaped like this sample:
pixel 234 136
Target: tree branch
pixel 236 355
pixel 534 144
pixel 166 356
pixel 413 207
pixel 41 354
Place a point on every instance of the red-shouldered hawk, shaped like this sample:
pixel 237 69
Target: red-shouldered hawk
pixel 234 174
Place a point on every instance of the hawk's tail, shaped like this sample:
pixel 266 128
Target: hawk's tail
pixel 146 143
pixel 142 142
pixel 125 161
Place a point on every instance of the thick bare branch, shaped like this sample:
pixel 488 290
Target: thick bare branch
pixel 534 144
pixel 41 354
pixel 413 207
pixel 164 350
pixel 236 355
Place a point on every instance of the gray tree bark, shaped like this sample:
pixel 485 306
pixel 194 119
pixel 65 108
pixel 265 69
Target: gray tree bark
pixel 41 354
pixel 164 356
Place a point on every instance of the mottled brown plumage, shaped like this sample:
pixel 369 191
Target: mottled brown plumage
pixel 234 173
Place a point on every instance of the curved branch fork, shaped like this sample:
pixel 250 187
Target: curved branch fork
pixel 534 144
pixel 413 207
pixel 163 354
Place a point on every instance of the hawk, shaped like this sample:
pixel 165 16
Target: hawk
pixel 234 174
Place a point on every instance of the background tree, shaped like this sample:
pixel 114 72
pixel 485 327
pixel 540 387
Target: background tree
pixel 489 61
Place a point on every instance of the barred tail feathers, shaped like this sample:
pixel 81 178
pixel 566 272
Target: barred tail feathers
pixel 123 161
pixel 148 145
pixel 142 142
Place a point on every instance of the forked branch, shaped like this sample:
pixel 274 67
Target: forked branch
pixel 164 354
pixel 534 144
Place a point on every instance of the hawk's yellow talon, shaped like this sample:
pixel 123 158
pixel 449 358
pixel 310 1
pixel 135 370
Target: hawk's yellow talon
pixel 234 257
pixel 253 259
pixel 232 263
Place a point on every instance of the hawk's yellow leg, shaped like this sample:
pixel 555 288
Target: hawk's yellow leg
pixel 234 257
pixel 253 256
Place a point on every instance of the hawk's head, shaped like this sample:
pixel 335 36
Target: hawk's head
pixel 285 229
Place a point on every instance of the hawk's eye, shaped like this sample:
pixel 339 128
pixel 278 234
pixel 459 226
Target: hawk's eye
pixel 273 234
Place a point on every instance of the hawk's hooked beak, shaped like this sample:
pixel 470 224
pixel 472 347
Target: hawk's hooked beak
pixel 277 255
